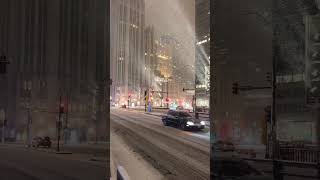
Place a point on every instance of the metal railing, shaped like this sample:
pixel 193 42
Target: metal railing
pixel 282 171
pixel 299 154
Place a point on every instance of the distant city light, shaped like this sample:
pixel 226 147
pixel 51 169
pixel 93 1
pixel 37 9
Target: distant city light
pixel 163 57
pixel 202 42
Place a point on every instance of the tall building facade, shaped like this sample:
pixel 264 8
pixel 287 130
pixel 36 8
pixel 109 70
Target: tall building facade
pixel 150 69
pixel 242 50
pixel 127 51
pixel 57 49
pixel 165 69
pixel 202 62
pixel 295 55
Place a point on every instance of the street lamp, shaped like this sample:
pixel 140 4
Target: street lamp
pixel 2 117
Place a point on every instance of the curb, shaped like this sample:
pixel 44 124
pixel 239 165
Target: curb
pixel 99 159
pixel 161 116
pixel 63 152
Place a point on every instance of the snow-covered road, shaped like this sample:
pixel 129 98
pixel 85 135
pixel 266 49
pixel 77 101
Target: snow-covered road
pixel 174 153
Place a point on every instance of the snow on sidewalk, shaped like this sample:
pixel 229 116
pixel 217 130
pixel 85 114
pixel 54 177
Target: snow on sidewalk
pixel 134 164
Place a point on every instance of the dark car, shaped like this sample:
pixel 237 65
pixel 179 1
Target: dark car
pixel 182 119
pixel 227 168
pixel 41 142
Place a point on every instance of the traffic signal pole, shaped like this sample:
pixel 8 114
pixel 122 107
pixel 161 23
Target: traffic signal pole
pixel 2 117
pixel 3 71
pixel 59 123
pixel 167 92
pixel 146 100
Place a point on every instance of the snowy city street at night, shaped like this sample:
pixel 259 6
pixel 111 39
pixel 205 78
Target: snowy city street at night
pixel 174 153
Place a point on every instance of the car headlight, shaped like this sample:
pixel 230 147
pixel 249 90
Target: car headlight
pixel 202 123
pixel 190 123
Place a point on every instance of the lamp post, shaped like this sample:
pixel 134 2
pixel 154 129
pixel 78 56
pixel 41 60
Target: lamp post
pixel 3 71
pixel 2 117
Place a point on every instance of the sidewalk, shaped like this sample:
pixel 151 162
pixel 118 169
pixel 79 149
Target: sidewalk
pixel 256 151
pixel 89 151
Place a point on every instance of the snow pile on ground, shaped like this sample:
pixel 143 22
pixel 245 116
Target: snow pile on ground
pixel 136 167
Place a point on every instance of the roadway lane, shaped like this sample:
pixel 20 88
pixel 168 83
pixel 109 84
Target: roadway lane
pixel 19 163
pixel 174 153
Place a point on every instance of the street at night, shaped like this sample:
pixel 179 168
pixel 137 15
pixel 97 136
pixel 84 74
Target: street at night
pixel 176 154
pixel 159 89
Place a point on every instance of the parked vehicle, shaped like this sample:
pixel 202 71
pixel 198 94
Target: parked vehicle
pixel 227 168
pixel 182 120
pixel 41 142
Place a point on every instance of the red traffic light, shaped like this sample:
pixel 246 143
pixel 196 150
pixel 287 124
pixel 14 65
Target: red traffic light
pixel 61 108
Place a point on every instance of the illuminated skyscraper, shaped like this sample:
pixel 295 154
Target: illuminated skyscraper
pixel 127 49
pixel 202 52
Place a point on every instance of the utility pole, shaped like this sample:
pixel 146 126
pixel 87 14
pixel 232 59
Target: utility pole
pixel 61 111
pixel 167 92
pixel 2 117
pixel 3 71
pixel 161 98
pixel 28 91
pixel 276 166
pixel 146 97
pixel 66 131
pixel 29 127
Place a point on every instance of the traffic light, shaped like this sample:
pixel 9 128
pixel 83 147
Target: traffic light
pixel 3 64
pixel 269 77
pixel 61 109
pixel 235 88
pixel 267 111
